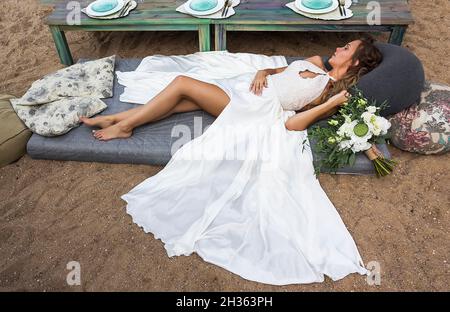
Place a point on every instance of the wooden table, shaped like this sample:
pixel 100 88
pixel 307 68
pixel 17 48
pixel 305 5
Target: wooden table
pixel 273 15
pixel 251 15
pixel 150 15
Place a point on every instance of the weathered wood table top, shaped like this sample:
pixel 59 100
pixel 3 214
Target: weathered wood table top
pixel 150 15
pixel 251 15
pixel 273 15
pixel 392 12
pixel 148 12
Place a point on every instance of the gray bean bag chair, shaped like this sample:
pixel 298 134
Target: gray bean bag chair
pixel 399 79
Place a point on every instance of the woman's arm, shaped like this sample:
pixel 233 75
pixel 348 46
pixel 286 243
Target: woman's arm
pixel 260 80
pixel 303 120
pixel 273 71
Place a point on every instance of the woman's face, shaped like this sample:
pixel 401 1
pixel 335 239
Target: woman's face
pixel 342 57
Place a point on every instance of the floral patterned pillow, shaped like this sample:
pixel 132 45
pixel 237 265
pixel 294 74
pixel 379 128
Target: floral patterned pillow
pixel 60 116
pixel 92 79
pixel 53 104
pixel 425 127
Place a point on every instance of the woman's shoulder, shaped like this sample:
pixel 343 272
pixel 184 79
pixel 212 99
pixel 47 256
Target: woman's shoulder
pixel 315 60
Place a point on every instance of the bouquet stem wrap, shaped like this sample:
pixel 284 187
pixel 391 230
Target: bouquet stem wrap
pixel 373 152
pixel 383 166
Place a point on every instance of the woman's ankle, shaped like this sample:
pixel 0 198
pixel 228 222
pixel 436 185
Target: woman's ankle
pixel 113 119
pixel 125 126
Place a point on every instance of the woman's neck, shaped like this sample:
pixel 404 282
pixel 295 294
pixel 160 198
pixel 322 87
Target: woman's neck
pixel 336 72
pixel 333 72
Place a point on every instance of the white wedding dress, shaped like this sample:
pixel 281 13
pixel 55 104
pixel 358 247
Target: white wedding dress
pixel 243 195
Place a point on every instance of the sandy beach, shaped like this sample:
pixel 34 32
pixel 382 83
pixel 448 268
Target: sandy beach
pixel 53 212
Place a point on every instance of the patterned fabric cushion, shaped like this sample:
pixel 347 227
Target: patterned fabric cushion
pixel 91 79
pixel 53 104
pixel 60 116
pixel 425 127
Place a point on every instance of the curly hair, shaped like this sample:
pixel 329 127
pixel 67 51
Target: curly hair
pixel 369 57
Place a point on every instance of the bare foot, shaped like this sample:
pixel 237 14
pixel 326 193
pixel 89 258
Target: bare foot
pixel 99 121
pixel 116 131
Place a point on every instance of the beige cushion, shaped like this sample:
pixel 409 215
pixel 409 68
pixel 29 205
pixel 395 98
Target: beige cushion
pixel 14 135
pixel 53 104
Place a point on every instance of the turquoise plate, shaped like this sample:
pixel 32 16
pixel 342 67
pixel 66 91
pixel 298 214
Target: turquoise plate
pixel 104 5
pixel 317 4
pixel 202 5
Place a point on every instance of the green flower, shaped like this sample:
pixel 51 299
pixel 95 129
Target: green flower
pixel 361 129
pixel 331 140
pixel 362 102
pixel 347 118
pixel 333 122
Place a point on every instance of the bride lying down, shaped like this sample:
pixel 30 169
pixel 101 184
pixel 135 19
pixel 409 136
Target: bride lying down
pixel 267 218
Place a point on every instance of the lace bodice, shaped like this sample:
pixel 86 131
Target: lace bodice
pixel 294 91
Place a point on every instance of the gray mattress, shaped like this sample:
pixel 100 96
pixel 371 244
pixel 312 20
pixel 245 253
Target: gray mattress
pixel 150 144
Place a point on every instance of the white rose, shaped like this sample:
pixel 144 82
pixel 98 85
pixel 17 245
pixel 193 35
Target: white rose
pixel 383 124
pixel 345 144
pixel 371 109
pixel 347 118
pixel 367 117
pixel 360 146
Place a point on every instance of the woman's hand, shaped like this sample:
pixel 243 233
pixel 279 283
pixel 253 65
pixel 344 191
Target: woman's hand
pixel 259 82
pixel 339 99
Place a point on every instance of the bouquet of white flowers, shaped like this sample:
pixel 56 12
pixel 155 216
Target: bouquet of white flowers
pixel 355 128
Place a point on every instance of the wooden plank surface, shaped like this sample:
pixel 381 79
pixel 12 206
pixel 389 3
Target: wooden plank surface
pixel 267 12
pixel 148 12
pixel 249 12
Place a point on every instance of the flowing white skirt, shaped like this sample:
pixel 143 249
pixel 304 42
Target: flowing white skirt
pixel 244 196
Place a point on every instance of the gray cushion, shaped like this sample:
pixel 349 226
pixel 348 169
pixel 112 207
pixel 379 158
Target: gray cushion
pixel 399 79
pixel 150 144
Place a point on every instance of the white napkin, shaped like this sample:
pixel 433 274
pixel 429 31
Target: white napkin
pixel 115 15
pixel 216 15
pixel 333 15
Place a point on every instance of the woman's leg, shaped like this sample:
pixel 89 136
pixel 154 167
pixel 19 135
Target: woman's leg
pixel 105 121
pixel 204 95
pixel 184 105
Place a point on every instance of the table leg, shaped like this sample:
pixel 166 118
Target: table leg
pixel 397 34
pixel 220 37
pixel 204 38
pixel 61 45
